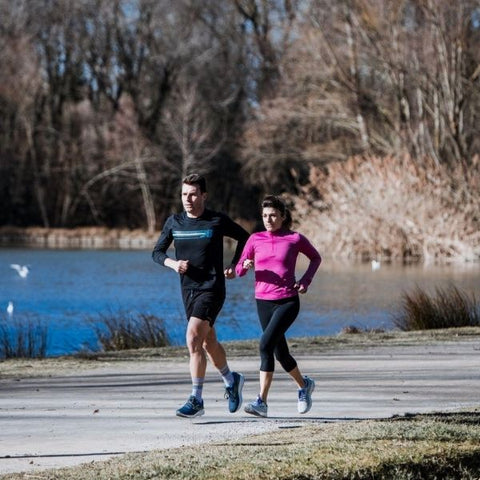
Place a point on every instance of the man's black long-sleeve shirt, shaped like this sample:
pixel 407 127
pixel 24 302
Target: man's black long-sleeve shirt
pixel 200 241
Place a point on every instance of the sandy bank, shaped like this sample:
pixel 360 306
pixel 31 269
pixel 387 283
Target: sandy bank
pixel 84 237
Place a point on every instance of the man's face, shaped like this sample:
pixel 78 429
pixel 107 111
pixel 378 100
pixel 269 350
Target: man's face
pixel 193 200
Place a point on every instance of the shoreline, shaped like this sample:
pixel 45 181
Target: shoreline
pixel 80 237
pixel 97 238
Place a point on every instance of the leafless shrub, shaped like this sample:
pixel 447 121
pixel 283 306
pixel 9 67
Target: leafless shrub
pixel 22 337
pixel 392 208
pixel 448 308
pixel 123 331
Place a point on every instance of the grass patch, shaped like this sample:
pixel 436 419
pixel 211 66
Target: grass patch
pixel 448 308
pixel 441 445
pixel 23 337
pixel 125 331
pixel 240 348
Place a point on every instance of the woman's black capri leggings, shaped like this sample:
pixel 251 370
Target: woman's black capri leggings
pixel 276 316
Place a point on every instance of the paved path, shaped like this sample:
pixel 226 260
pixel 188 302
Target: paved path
pixel 129 407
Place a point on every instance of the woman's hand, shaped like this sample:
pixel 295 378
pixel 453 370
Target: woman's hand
pixel 247 264
pixel 301 288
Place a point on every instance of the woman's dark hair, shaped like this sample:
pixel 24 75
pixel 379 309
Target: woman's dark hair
pixel 196 179
pixel 272 201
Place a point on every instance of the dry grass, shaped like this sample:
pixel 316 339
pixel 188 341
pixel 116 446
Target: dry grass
pixel 372 207
pixel 23 337
pixel 300 346
pixel 447 308
pixel 445 446
pixel 125 331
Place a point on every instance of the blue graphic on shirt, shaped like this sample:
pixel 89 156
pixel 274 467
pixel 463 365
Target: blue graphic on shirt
pixel 192 235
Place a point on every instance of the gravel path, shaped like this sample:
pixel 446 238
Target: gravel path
pixel 91 415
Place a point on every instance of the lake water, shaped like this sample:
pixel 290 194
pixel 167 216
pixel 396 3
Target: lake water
pixel 66 288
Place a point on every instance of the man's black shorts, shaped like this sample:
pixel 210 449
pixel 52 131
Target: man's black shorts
pixel 205 305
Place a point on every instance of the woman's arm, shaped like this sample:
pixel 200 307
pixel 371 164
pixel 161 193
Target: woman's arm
pixel 312 254
pixel 246 259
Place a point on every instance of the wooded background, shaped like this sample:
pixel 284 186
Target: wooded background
pixel 106 104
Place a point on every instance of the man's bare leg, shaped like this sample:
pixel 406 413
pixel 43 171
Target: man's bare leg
pixel 233 380
pixel 197 332
pixel 215 351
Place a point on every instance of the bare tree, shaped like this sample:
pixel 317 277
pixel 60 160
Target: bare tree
pixel 89 59
pixel 196 132
pixel 104 105
pixel 370 77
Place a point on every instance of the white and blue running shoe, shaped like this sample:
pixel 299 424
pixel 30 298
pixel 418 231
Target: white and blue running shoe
pixel 258 408
pixel 305 395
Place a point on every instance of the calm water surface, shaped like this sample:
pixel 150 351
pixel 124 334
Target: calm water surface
pixel 66 288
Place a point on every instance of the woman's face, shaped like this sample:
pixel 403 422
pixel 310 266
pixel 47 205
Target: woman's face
pixel 272 219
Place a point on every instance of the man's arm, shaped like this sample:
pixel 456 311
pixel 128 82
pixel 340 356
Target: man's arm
pixel 238 233
pixel 159 254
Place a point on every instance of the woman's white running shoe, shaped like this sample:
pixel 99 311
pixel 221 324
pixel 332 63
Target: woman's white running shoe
pixel 258 408
pixel 305 396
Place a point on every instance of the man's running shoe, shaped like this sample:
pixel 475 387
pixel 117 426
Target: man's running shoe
pixel 192 408
pixel 258 408
pixel 234 393
pixel 305 396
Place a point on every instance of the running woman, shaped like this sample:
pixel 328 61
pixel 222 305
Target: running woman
pixel 273 254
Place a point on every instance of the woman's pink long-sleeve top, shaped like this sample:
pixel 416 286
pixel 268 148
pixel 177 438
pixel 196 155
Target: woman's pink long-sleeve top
pixel 275 256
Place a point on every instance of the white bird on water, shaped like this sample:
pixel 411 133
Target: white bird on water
pixel 10 308
pixel 375 265
pixel 22 270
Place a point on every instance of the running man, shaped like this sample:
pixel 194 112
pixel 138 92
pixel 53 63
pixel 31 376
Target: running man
pixel 197 234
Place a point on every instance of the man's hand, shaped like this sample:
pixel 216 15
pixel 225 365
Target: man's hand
pixel 181 266
pixel 229 272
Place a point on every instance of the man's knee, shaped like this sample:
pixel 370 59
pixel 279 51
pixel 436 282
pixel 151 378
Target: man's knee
pixel 211 345
pixel 194 342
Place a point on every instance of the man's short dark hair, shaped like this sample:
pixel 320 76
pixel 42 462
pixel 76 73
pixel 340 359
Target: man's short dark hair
pixel 196 179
